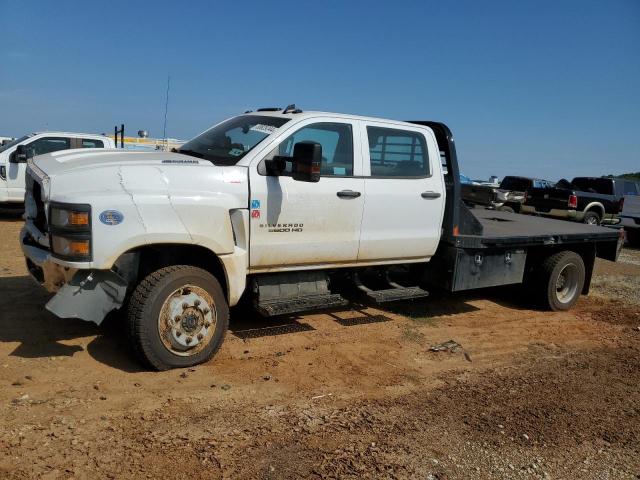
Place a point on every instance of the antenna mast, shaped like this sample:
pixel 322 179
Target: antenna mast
pixel 166 109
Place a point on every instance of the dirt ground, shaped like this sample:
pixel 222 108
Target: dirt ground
pixel 354 394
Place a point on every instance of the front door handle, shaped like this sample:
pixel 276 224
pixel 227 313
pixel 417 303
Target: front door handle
pixel 430 194
pixel 348 194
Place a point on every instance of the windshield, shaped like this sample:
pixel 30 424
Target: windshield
pixel 15 142
pixel 228 142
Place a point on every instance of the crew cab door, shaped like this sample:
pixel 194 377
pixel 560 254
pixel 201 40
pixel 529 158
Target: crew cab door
pixel 16 171
pixel 405 193
pixel 295 223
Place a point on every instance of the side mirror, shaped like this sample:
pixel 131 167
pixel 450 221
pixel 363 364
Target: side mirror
pixel 307 158
pixel 20 155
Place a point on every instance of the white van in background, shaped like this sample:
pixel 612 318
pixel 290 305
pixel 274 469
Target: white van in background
pixel 13 158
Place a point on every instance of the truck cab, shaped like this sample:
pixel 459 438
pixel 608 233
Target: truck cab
pixel 14 154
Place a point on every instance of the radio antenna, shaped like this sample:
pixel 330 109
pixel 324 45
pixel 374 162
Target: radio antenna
pixel 166 110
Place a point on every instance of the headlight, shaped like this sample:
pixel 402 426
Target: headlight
pixel 76 216
pixel 71 248
pixel 70 231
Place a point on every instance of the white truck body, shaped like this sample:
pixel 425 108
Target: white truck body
pixel 12 172
pixel 280 208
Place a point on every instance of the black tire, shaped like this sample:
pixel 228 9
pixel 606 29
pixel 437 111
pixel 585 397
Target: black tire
pixel 591 218
pixel 506 208
pixel 555 294
pixel 146 305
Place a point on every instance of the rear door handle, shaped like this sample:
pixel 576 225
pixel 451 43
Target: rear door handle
pixel 430 194
pixel 348 194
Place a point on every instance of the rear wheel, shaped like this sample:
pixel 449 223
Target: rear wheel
pixel 177 317
pixel 506 208
pixel 561 280
pixel 591 218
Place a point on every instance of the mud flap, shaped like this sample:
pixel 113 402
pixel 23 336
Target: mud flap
pixel 89 296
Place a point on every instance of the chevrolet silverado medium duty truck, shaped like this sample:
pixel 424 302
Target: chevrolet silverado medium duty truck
pixel 14 154
pixel 288 211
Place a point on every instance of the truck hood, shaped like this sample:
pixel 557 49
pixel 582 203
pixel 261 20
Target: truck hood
pixel 79 176
pixel 142 198
pixel 67 160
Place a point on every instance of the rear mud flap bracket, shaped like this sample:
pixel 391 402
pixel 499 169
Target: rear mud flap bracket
pixel 89 296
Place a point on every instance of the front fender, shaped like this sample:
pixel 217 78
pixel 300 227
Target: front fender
pixel 175 221
pixel 156 204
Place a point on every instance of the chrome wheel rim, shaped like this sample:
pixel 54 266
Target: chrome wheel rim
pixel 187 321
pixel 592 221
pixel 567 283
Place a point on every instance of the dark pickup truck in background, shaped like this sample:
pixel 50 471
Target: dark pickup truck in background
pixel 630 219
pixel 511 192
pixel 508 196
pixel 475 193
pixel 591 200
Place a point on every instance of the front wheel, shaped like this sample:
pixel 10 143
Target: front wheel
pixel 561 280
pixel 177 317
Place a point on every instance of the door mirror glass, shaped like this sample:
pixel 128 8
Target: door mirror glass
pixel 307 158
pixel 276 166
pixel 20 155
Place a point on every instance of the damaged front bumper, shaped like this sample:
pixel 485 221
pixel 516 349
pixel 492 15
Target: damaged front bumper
pixel 79 293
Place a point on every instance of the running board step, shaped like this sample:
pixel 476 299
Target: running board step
pixel 395 294
pixel 270 308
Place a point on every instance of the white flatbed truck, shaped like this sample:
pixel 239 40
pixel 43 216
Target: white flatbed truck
pixel 287 210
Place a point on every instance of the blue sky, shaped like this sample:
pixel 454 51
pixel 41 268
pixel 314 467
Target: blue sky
pixel 540 88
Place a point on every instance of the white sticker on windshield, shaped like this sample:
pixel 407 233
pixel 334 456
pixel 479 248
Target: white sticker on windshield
pixel 235 152
pixel 268 129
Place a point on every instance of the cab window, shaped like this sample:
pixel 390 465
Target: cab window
pixel 91 143
pixel 337 147
pixel 397 153
pixel 48 145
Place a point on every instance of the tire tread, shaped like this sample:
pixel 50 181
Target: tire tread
pixel 138 337
pixel 546 271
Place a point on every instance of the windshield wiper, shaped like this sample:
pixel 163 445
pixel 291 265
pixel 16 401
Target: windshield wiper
pixel 193 153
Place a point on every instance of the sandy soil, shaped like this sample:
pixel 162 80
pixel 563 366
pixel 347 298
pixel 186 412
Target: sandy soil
pixel 353 394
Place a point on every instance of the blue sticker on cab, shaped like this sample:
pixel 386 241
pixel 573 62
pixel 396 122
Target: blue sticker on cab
pixel 111 217
pixel 255 203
